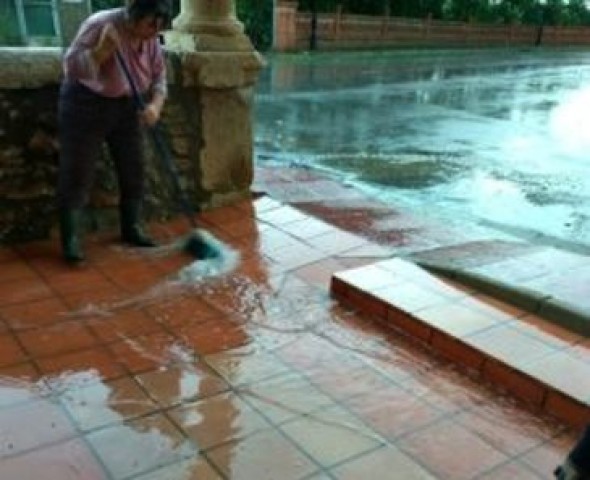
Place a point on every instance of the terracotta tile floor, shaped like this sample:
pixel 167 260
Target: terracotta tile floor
pixel 116 370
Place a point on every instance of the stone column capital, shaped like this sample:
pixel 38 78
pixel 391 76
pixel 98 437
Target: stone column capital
pixel 215 17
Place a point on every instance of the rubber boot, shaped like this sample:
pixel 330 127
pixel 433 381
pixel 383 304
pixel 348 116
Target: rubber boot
pixel 69 227
pixel 577 463
pixel 131 231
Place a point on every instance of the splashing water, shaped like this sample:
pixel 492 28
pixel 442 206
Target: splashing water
pixel 190 277
pixel 226 261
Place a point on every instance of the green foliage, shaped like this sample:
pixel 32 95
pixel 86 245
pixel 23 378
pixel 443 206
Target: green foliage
pixel 257 16
pixel 104 4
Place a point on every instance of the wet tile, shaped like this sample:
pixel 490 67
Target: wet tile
pixel 124 324
pixel 550 333
pixel 25 372
pixel 368 251
pixel 77 280
pixel 18 388
pixel 24 290
pixel 182 311
pixel 281 216
pixel 195 469
pixel 10 351
pixel 307 228
pixel 331 436
pixel 222 215
pixel 71 460
pixel 509 345
pixel 456 319
pixel 344 381
pixel 393 411
pixel 95 362
pixel 509 470
pixel 296 256
pixel 105 298
pixel 213 336
pixel 581 351
pixel 150 442
pixel 507 428
pixel 382 463
pixel 217 420
pixel 319 273
pixel 165 266
pixel 426 445
pixel 262 204
pixel 369 278
pixel 272 239
pixel 132 278
pixel 101 404
pixel 60 338
pixel 336 242
pixel 181 383
pixel 146 353
pixel 550 369
pixel 311 352
pixel 266 455
pixel 240 367
pixel 32 425
pixel 34 314
pixel 16 269
pixel 8 254
pixel 544 458
pixel 447 388
pixel 285 397
pixel 239 228
pixel 411 297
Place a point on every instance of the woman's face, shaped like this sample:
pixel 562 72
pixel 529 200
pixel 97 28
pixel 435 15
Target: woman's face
pixel 146 27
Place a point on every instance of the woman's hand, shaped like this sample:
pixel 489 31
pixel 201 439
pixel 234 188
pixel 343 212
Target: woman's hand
pixel 150 114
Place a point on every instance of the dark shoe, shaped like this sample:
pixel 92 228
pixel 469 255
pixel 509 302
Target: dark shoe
pixel 568 471
pixel 131 231
pixel 69 227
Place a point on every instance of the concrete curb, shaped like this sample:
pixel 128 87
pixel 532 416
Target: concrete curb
pixel 551 309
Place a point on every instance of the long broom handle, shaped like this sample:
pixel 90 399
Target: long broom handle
pixel 161 147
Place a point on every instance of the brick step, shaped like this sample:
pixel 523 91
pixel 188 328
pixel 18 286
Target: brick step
pixel 534 360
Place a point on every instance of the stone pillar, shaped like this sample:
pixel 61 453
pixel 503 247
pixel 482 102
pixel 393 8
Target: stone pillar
pixel 285 26
pixel 216 62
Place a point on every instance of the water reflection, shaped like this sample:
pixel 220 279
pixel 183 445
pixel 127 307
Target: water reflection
pixel 496 129
pixel 569 121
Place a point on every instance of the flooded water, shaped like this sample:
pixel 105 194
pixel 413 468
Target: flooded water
pixel 496 137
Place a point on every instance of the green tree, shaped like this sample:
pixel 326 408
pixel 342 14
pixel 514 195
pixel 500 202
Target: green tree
pixel 257 16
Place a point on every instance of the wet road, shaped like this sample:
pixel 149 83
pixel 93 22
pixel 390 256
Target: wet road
pixel 496 137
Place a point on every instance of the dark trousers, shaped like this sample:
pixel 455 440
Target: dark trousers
pixel 86 120
pixel 580 454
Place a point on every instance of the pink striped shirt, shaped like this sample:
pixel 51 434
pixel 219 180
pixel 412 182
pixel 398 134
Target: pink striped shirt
pixel 145 62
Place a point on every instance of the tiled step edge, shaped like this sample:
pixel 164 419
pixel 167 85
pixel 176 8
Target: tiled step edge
pixel 519 384
pixel 552 309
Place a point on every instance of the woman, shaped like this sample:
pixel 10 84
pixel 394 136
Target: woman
pixel 96 105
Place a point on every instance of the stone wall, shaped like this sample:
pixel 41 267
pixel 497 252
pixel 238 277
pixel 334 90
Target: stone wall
pixel 29 83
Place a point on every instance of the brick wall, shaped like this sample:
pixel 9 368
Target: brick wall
pixel 342 31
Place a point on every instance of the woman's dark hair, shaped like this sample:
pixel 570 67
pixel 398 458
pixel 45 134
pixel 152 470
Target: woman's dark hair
pixel 161 9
